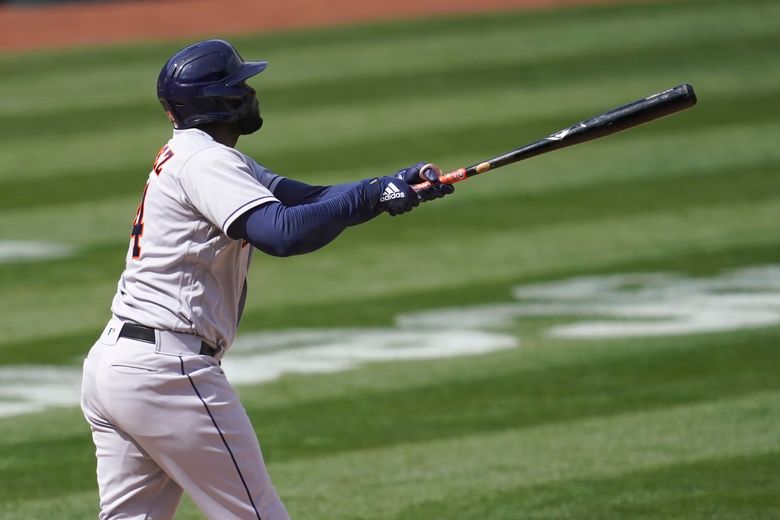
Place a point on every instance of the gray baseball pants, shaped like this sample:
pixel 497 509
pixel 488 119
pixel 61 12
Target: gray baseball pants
pixel 164 420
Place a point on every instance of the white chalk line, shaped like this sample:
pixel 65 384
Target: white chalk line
pixel 627 305
pixel 16 250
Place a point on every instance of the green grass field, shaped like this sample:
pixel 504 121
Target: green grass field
pixel 682 424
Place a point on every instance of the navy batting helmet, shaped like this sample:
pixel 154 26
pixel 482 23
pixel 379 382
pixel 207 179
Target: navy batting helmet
pixel 204 83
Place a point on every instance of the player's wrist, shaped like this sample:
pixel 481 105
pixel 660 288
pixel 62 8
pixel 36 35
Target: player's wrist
pixel 370 192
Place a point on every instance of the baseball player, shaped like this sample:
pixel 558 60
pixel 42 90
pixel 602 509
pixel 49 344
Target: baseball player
pixel 163 416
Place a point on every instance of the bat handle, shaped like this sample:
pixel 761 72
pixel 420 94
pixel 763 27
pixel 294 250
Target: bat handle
pixel 448 178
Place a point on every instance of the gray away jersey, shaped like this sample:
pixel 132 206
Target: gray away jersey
pixel 183 273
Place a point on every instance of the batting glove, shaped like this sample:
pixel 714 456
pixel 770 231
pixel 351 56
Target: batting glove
pixel 426 172
pixel 393 195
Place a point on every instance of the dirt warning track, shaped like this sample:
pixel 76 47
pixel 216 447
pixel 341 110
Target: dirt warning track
pixel 79 24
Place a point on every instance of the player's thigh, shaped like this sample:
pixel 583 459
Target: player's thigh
pixel 199 433
pixel 130 483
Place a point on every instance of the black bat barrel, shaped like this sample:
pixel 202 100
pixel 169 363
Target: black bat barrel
pixel 640 111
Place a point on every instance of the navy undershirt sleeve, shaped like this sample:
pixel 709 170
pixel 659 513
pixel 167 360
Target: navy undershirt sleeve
pixel 291 192
pixel 285 229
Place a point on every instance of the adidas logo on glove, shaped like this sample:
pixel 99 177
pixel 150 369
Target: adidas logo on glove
pixel 391 192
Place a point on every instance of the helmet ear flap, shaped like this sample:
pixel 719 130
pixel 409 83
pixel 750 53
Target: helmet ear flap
pixel 168 111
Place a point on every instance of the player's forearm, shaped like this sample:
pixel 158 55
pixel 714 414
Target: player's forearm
pixel 293 193
pixel 281 230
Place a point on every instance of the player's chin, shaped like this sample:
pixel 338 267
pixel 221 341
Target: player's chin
pixel 250 122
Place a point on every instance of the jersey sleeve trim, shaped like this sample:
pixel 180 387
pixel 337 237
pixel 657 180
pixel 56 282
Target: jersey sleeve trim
pixel 274 183
pixel 244 208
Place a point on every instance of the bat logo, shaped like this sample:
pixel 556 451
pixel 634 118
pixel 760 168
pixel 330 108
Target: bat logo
pixel 557 136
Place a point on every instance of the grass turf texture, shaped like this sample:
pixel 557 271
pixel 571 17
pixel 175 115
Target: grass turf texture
pixel 676 427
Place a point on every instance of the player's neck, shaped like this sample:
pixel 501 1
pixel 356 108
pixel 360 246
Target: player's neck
pixel 223 134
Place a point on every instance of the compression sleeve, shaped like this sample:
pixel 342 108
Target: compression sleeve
pixel 281 230
pixel 291 192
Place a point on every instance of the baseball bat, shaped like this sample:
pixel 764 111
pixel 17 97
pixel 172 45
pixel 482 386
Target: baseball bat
pixel 620 118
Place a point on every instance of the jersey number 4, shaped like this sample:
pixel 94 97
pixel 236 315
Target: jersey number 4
pixel 138 223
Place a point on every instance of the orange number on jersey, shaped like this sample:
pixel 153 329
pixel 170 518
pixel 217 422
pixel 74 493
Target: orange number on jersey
pixel 137 232
pixel 138 226
pixel 163 156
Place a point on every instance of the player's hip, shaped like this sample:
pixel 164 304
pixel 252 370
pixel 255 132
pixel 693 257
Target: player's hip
pixel 126 377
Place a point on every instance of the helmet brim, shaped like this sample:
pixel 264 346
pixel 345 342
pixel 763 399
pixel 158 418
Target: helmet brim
pixel 247 70
pixel 226 86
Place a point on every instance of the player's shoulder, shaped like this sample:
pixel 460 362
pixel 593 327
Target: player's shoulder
pixel 192 142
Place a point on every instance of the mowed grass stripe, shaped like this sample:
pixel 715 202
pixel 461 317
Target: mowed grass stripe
pixel 323 132
pixel 401 85
pixel 741 487
pixel 667 151
pixel 514 40
pixel 71 506
pixel 117 181
pixel 539 70
pixel 701 369
pixel 491 255
pixel 519 34
pixel 326 130
pixel 513 211
pixel 384 482
pixel 67 342
pixel 127 142
pixel 531 393
pixel 537 354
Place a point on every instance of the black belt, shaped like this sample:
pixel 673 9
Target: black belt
pixel 146 334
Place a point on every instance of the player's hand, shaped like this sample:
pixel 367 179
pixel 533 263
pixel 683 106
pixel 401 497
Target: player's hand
pixel 422 172
pixel 393 195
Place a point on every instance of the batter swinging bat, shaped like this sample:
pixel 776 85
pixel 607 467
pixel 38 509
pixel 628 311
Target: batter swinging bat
pixel 615 120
